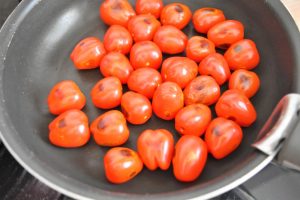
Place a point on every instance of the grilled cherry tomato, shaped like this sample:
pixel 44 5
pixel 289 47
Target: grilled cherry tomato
pixel 64 96
pixel 116 64
pixel 167 100
pixel 156 148
pixel 144 81
pixel 118 39
pixel 116 12
pixel 203 89
pixel 226 33
pixel 153 7
pixel 180 70
pixel 205 18
pixel 199 47
pixel 88 53
pixel 145 54
pixel 190 158
pixel 222 137
pixel 107 93
pixel 70 129
pixel 170 39
pixel 245 81
pixel 216 66
pixel 234 105
pixel 121 165
pixel 136 108
pixel 110 129
pixel 242 55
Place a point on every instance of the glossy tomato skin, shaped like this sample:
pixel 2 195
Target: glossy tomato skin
pixel 110 129
pixel 203 89
pixel 116 12
pixel 205 18
pixel 88 53
pixel 242 55
pixel 216 66
pixel 70 129
pixel 121 165
pixel 198 48
pixel 156 148
pixel 64 96
pixel 152 7
pixel 116 64
pixel 118 39
pixel 144 81
pixel 190 158
pixel 176 14
pixel 226 33
pixel 107 93
pixel 167 100
pixel 145 54
pixel 170 39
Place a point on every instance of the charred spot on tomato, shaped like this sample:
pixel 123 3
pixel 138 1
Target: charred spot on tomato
pixel 117 5
pixel 216 131
pixel 244 81
pixel 203 44
pixel 208 10
pixel 101 124
pixel 237 48
pixel 178 8
pixel 198 107
pixel 100 87
pixel 81 44
pixel 124 111
pixel 147 21
pixel 199 87
pixel 132 174
pixel 62 123
pixel 125 152
pixel 58 92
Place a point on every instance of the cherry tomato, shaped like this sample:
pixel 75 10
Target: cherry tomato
pixel 170 39
pixel 193 119
pixel 205 18
pixel 136 108
pixel 145 54
pixel 153 7
pixel 216 66
pixel 156 148
pixel 116 64
pixel 190 158
pixel 226 33
pixel 116 12
pixel 64 96
pixel 110 129
pixel 176 14
pixel 118 39
pixel 180 70
pixel 167 100
pixel 144 81
pixel 203 89
pixel 107 93
pixel 242 55
pixel 199 47
pixel 70 129
pixel 121 165
pixel 88 53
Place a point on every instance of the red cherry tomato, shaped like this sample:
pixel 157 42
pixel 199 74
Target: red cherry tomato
pixel 170 39
pixel 153 7
pixel 116 64
pixel 116 12
pixel 167 100
pixel 190 158
pixel 145 54
pixel 144 81
pixel 107 93
pixel 118 39
pixel 156 148
pixel 121 165
pixel 216 66
pixel 110 129
pixel 242 55
pixel 198 48
pixel 70 129
pixel 203 89
pixel 193 119
pixel 180 70
pixel 88 53
pixel 205 18
pixel 64 96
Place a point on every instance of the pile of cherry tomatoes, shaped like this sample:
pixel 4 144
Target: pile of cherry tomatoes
pixel 170 88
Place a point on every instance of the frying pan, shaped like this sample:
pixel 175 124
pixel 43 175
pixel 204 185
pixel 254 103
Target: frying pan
pixel 36 42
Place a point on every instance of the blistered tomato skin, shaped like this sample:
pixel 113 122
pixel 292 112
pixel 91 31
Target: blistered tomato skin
pixel 198 48
pixel 153 7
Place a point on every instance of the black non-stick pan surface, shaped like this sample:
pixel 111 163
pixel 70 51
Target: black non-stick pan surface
pixel 36 42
